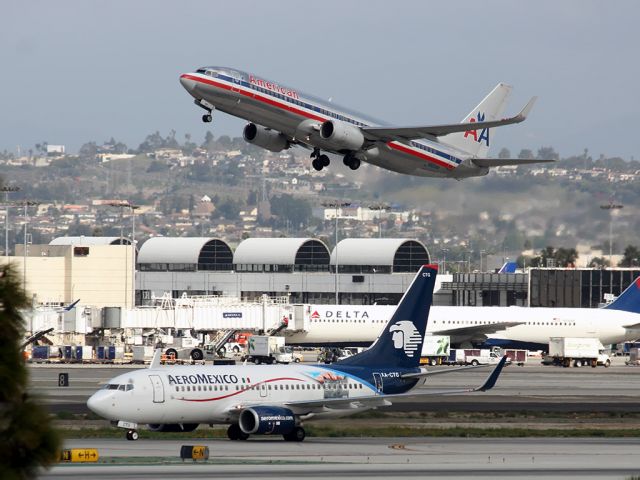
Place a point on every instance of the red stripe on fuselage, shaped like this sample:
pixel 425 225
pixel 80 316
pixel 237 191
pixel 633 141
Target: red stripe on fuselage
pixel 269 101
pixel 404 149
pixel 244 389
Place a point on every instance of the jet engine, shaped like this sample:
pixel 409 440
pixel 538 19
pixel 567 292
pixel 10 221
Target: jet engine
pixel 267 420
pixel 342 135
pixel 172 427
pixel 265 138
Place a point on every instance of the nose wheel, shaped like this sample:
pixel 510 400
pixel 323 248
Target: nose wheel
pixel 132 435
pixel 207 118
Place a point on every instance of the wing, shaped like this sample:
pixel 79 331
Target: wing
pixel 312 406
pixel 479 332
pixel 386 134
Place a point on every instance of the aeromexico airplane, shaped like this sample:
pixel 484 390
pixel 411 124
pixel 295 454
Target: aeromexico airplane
pixel 266 399
pixel 280 117
pixel 518 327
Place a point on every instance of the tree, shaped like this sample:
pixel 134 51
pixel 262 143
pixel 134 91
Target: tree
pixel 631 257
pixel 547 153
pixel 525 153
pixel 598 262
pixel 27 438
pixel 504 153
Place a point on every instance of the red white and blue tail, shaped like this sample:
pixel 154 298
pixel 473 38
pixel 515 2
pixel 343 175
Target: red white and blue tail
pixel 477 142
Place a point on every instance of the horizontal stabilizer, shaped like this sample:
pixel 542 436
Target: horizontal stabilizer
pixel 502 162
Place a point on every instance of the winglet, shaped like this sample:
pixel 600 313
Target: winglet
pixel 155 361
pixel 70 307
pixel 493 377
pixel 527 108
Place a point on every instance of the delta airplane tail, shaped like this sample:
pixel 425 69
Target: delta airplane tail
pixel 476 142
pixel 629 300
pixel 400 343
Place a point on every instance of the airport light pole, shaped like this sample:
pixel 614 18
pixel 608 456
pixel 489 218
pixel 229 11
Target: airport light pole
pixel 611 207
pixel 482 252
pixel 336 205
pixel 26 204
pixel 379 207
pixel 7 189
pixel 122 204
pixel 444 259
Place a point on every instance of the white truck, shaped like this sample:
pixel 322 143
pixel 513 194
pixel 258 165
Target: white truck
pixel 435 349
pixel 473 356
pixel 268 349
pixel 185 348
pixel 566 351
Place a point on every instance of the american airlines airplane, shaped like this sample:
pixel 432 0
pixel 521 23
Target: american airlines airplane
pixel 266 399
pixel 517 327
pixel 280 117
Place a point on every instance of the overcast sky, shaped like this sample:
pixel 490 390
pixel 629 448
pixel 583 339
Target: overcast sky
pixel 78 71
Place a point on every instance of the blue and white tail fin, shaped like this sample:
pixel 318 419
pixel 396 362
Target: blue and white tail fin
pixel 477 142
pixel 400 343
pixel 509 267
pixel 629 300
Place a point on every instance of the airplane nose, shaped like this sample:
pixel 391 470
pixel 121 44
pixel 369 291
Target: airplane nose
pixel 98 403
pixel 186 82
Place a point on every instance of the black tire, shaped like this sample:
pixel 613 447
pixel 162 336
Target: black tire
pixel 325 161
pixel 172 351
pixel 206 118
pixel 132 435
pixel 475 363
pixel 234 432
pixel 296 360
pixel 222 352
pixel 236 349
pixel 196 354
pixel 317 164
pixel 354 164
pixel 296 435
pixel 433 362
pixel 577 363
pixel 607 364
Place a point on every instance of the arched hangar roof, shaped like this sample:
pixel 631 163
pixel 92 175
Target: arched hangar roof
pixel 205 252
pixel 82 240
pixel 281 251
pixel 401 254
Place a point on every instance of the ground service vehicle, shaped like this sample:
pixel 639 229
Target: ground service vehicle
pixel 473 356
pixel 435 349
pixel 580 352
pixel 267 349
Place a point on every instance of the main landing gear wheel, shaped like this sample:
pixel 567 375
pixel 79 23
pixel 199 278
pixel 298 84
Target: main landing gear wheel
pixel 319 161
pixel 234 433
pixel 132 435
pixel 352 162
pixel 207 118
pixel 296 435
pixel 317 164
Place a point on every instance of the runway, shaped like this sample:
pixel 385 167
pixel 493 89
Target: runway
pixel 356 458
pixel 532 387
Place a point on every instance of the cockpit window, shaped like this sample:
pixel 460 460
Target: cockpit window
pixel 120 387
pixel 129 386
pixel 111 386
pixel 212 72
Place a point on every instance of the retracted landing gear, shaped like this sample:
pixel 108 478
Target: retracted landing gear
pixel 296 435
pixel 319 161
pixel 234 432
pixel 132 435
pixel 351 161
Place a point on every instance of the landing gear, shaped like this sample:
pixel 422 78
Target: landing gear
pixel 351 161
pixel 234 432
pixel 132 435
pixel 207 118
pixel 319 161
pixel 296 435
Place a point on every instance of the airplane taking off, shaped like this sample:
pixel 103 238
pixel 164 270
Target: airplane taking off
pixel 516 327
pixel 266 399
pixel 280 117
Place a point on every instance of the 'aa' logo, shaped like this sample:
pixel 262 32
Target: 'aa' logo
pixel 405 335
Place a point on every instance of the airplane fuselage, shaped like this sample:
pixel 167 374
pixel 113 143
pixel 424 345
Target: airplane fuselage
pixel 297 115
pixel 360 325
pixel 213 394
